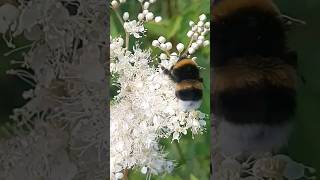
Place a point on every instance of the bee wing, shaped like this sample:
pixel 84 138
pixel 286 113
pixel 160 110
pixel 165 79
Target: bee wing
pixel 290 22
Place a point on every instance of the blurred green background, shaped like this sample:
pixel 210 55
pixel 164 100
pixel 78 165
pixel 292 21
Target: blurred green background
pixel 192 156
pixel 11 87
pixel 304 145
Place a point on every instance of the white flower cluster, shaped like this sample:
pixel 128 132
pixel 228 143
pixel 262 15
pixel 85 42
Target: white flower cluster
pixel 263 166
pixel 135 27
pixel 256 166
pixel 62 130
pixel 145 108
pixel 197 36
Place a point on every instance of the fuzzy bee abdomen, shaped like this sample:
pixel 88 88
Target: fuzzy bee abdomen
pixel 189 90
pixel 255 90
pixel 269 106
pixel 185 70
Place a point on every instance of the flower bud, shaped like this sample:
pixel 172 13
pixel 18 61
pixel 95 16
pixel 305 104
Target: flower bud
pixel 144 170
pixel 149 16
pixel 140 16
pixel 195 36
pixel 158 19
pixel 119 175
pixel 162 39
pixel 201 37
pixel 163 56
pixel 168 46
pixel 199 42
pixel 146 5
pixel 125 16
pixel 163 47
pixel 189 34
pixel 114 4
pixel 206 43
pixel 191 23
pixel 194 46
pixel 145 12
pixel 200 24
pixel 202 17
pixel 191 50
pixel 155 43
pixel 207 25
pixel 194 28
pixel 180 47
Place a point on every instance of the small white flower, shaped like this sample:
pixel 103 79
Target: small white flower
pixel 140 16
pixel 180 47
pixel 195 36
pixel 200 24
pixel 207 25
pixel 194 46
pixel 149 16
pixel 194 28
pixel 189 34
pixel 201 38
pixel 191 23
pixel 146 5
pixel 175 136
pixel 191 50
pixel 158 19
pixel 145 12
pixel 199 42
pixel 206 43
pixel 163 47
pixel 202 17
pixel 134 27
pixel 163 56
pixel 168 46
pixel 125 16
pixel 144 170
pixel 114 4
pixel 155 43
pixel 162 39
pixel 119 176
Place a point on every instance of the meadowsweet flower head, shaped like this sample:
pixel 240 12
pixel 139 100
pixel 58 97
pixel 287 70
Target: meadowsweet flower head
pixel 145 108
pixel 62 130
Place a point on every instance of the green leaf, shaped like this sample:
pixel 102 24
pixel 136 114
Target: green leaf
pixel 192 177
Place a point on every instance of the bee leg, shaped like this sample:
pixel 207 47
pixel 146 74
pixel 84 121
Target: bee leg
pixel 168 72
pixel 165 70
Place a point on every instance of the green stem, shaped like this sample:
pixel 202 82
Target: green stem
pixel 122 23
pixel 182 159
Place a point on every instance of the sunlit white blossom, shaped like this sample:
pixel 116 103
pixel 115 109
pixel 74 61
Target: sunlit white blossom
pixel 62 131
pixel 145 108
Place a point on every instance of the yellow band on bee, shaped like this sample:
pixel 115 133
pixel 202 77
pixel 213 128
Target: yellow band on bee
pixel 189 84
pixel 227 7
pixel 240 76
pixel 184 62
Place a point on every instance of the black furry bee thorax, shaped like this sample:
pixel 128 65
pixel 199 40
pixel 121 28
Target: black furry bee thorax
pixel 254 74
pixel 185 73
pixel 247 32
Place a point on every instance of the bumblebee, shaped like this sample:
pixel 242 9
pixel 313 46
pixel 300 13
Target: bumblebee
pixel 254 76
pixel 185 73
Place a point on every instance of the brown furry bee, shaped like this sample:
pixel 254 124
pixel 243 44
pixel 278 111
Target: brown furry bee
pixel 254 76
pixel 185 73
